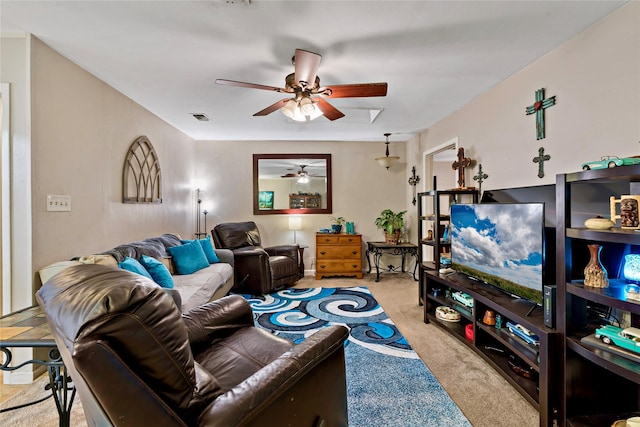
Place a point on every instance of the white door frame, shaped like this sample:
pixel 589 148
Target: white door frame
pixel 427 161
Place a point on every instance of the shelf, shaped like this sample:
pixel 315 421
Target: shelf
pixel 540 390
pixel 619 365
pixel 526 352
pixel 614 235
pixel 613 295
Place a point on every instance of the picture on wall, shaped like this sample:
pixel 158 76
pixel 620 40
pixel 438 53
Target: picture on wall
pixel 265 200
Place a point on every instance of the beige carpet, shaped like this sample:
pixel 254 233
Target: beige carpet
pixel 485 398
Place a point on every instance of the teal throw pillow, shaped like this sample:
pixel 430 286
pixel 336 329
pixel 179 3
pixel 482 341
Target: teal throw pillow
pixel 188 258
pixel 209 252
pixel 207 248
pixel 158 271
pixel 132 264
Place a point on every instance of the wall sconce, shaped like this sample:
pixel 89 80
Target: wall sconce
pixel 295 223
pixel 413 181
pixel 387 161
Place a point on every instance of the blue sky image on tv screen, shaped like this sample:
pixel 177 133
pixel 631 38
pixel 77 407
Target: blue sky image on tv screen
pixel 505 240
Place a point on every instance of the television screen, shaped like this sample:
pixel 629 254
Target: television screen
pixel 501 245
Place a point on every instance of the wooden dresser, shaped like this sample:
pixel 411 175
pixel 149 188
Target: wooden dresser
pixel 338 255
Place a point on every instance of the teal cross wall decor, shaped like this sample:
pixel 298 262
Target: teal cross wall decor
pixel 538 107
pixel 540 161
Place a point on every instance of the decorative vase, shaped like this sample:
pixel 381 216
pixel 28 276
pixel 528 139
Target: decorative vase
pixel 336 228
pixel 489 318
pixel 595 275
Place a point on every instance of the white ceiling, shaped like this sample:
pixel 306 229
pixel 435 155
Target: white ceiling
pixel 435 55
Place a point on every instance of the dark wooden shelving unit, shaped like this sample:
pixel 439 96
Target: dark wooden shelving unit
pixel 431 205
pixel 499 346
pixel 599 386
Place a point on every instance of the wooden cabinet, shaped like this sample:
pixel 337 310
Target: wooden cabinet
pixel 338 255
pixel 306 201
pixel 538 380
pixel 433 217
pixel 601 382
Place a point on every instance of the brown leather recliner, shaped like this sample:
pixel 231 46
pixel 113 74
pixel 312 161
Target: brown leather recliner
pixel 135 360
pixel 257 270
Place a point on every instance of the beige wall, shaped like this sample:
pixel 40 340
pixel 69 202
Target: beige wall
pixel 361 187
pixel 596 80
pixel 81 131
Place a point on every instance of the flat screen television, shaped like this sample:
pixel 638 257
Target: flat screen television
pixel 501 244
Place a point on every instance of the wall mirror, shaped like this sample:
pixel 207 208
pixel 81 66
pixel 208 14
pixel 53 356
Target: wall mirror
pixel 291 184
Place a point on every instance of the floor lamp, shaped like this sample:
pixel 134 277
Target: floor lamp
pixel 295 223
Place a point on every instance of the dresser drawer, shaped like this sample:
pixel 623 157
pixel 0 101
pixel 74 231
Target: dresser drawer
pixel 339 252
pixel 334 266
pixel 338 239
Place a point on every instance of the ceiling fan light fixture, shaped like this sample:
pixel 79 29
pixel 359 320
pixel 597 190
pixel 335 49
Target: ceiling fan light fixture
pixel 307 106
pixel 289 109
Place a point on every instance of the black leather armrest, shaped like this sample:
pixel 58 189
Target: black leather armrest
pixel 217 319
pixel 284 250
pixel 312 371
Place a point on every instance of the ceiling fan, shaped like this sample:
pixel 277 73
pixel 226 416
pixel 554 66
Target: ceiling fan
pixel 307 101
pixel 300 173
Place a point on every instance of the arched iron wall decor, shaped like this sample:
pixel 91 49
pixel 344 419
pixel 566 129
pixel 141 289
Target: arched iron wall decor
pixel 141 175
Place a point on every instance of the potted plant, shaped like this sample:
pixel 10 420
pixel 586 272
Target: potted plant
pixel 336 223
pixel 391 223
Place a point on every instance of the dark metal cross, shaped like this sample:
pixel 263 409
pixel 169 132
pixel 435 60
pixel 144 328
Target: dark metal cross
pixel 540 160
pixel 459 165
pixel 480 177
pixel 538 107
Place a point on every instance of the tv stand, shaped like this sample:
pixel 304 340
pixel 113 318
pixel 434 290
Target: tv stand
pixel 499 347
pixel 531 309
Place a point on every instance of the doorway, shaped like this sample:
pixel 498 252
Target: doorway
pixel 437 163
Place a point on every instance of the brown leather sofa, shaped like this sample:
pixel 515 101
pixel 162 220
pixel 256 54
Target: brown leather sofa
pixel 257 270
pixel 136 360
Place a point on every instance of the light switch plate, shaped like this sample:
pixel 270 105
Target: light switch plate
pixel 58 203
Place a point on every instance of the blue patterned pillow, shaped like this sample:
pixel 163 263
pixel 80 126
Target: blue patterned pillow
pixel 131 264
pixel 188 258
pixel 158 271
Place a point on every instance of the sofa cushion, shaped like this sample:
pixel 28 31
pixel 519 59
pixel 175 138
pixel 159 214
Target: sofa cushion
pixel 188 258
pixel 200 287
pixel 52 269
pixel 159 273
pixel 134 266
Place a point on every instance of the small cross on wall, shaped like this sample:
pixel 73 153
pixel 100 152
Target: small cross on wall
pixel 480 177
pixel 540 161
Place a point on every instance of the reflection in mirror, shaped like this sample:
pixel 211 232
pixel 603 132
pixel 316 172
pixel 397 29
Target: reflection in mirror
pixel 291 183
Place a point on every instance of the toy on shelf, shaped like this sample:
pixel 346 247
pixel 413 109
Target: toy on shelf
pixel 463 299
pixel 628 338
pixel 523 333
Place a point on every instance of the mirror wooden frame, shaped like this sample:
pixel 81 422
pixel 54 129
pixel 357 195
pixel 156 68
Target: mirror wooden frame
pixel 305 211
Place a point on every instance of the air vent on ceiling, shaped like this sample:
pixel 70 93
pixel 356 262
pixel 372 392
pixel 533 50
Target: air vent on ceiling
pixel 200 117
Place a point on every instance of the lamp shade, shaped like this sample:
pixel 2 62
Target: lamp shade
pixel 295 223
pixel 387 161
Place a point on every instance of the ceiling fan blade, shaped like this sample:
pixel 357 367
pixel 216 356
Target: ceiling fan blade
pixel 306 64
pixel 249 85
pixel 356 90
pixel 273 107
pixel 329 111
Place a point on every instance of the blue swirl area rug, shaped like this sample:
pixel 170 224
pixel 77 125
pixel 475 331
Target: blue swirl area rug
pixel 387 383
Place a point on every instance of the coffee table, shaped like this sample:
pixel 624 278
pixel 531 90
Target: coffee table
pixel 29 328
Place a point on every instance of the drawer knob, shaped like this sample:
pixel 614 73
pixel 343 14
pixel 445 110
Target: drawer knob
pixel 355 252
pixel 322 266
pixel 354 265
pixel 323 253
pixel 327 240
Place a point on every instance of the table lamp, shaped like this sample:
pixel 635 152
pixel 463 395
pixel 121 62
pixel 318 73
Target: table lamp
pixel 295 223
